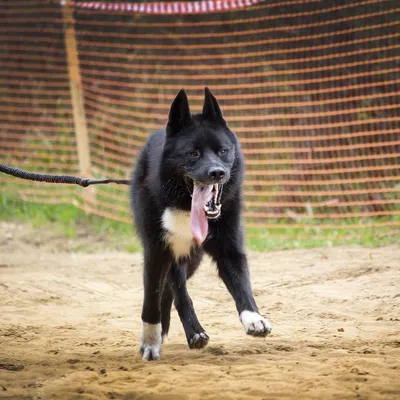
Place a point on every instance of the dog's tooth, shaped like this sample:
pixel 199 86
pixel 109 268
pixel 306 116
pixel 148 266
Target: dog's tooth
pixel 215 192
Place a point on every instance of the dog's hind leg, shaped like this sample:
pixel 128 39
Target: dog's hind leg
pixel 196 336
pixel 157 264
pixel 166 304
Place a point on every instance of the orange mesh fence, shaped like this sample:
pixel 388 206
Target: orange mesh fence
pixel 311 88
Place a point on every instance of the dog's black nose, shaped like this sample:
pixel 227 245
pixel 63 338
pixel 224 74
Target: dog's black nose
pixel 216 174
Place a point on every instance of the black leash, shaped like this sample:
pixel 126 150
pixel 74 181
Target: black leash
pixel 74 180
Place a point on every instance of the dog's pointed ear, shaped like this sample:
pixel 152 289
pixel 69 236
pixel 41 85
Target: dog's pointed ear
pixel 211 109
pixel 179 114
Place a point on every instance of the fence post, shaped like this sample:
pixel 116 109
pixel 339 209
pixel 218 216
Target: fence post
pixel 78 106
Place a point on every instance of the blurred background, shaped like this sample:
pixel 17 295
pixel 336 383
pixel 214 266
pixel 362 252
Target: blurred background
pixel 312 89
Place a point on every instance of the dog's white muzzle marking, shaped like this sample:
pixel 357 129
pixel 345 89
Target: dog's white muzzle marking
pixel 150 342
pixel 254 324
pixel 178 236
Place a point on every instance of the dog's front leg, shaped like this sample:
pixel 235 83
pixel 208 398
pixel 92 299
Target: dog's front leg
pixel 156 266
pixel 233 270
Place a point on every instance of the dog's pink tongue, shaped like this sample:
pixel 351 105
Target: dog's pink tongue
pixel 198 221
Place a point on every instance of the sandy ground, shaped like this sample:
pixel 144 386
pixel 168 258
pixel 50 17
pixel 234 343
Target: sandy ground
pixel 70 326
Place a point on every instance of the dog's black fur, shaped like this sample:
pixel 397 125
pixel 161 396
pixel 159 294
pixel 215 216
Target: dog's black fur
pixel 189 150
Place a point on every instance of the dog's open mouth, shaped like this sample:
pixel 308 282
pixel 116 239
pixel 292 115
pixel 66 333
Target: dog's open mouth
pixel 213 207
pixel 206 204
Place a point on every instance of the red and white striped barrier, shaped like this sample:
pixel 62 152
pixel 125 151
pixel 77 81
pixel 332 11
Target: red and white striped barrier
pixel 177 7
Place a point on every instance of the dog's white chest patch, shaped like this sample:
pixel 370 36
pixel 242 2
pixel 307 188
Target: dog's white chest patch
pixel 178 236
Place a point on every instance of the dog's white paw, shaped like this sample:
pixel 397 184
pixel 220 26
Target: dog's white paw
pixel 150 343
pixel 254 324
pixel 150 353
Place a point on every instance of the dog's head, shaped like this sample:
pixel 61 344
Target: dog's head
pixel 199 147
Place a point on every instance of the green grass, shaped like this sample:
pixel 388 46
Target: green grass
pixel 68 220
pixel 314 237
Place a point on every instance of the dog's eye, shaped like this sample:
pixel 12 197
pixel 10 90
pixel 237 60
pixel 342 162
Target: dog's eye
pixel 222 152
pixel 194 154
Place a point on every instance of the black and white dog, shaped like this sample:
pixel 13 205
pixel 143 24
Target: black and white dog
pixel 186 199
